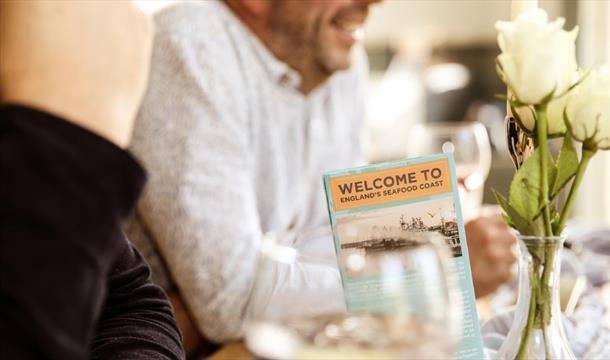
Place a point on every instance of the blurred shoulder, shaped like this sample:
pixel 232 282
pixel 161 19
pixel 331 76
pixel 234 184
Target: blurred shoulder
pixel 197 40
pixel 191 18
pixel 204 36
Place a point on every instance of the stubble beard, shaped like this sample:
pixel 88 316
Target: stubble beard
pixel 300 45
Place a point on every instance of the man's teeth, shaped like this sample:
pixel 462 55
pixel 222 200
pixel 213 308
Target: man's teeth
pixel 350 26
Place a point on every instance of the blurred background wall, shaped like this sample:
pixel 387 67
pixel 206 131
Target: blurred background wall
pixel 456 21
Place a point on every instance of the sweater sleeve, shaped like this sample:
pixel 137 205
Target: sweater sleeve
pixel 137 321
pixel 64 192
pixel 199 205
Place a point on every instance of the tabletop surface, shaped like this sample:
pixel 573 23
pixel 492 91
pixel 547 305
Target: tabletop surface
pixel 235 350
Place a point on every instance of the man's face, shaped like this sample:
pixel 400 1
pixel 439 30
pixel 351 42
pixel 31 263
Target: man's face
pixel 316 35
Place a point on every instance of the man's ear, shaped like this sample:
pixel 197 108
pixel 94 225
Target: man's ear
pixel 256 7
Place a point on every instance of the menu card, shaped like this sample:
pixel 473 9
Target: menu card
pixel 370 205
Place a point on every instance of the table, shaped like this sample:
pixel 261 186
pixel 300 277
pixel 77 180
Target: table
pixel 233 351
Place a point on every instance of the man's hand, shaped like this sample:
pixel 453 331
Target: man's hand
pixel 490 246
pixel 86 61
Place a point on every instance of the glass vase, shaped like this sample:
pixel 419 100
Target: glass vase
pixel 537 330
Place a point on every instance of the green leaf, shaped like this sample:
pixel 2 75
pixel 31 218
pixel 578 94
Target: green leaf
pixel 515 220
pixel 525 193
pixel 509 213
pixel 537 227
pixel 567 165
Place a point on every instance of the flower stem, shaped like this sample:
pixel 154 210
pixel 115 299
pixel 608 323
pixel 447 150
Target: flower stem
pixel 549 253
pixel 544 296
pixel 580 172
pixel 531 314
pixel 541 130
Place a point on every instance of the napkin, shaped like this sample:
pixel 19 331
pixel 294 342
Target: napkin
pixel 587 334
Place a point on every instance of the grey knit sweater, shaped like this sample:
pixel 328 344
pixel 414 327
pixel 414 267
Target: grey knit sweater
pixel 234 151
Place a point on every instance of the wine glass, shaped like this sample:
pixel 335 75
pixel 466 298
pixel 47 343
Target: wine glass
pixel 403 304
pixel 469 143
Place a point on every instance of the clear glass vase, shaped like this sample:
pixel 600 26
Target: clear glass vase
pixel 537 330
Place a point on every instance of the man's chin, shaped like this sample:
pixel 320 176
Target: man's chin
pixel 338 61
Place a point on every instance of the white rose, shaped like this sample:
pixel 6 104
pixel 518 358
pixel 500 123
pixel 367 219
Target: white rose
pixel 588 108
pixel 538 58
pixel 554 113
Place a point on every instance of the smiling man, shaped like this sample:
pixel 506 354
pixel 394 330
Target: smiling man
pixel 249 102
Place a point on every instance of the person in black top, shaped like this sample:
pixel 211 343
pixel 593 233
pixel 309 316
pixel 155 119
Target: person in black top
pixel 71 285
pixel 70 282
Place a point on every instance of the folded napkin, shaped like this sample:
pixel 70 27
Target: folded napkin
pixel 588 334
